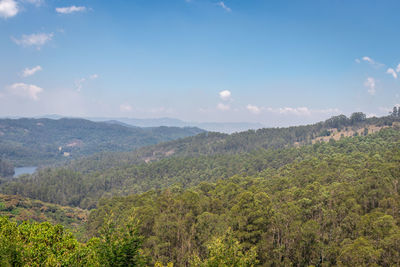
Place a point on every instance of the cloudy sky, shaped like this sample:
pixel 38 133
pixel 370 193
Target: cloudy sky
pixel 276 62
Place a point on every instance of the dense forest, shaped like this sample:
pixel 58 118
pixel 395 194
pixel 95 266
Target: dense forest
pixel 336 206
pixel 206 157
pixel 33 142
pixel 271 197
pixel 211 143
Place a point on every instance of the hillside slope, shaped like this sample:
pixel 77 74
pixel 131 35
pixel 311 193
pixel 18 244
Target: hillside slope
pixel 335 205
pixel 210 143
pixel 42 141
pixel 202 158
pixel 21 209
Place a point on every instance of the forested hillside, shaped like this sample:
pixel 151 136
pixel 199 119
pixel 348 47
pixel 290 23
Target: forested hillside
pixel 205 157
pixel 216 143
pixel 33 142
pixel 333 203
pixel 337 205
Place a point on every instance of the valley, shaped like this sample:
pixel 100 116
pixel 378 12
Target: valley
pixel 280 192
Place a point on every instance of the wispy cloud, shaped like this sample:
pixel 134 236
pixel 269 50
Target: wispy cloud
pixel 25 90
pixel 222 4
pixel 370 84
pixel 297 111
pixel 125 108
pixel 300 111
pixel 80 82
pixel 93 76
pixel 36 39
pixel 253 109
pixel 70 9
pixel 29 72
pixel 223 107
pixel 387 110
pixel 398 68
pixel 225 95
pixel 8 8
pixel 371 62
pixel 392 72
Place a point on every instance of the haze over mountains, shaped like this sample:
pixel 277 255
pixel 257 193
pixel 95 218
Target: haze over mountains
pixel 222 127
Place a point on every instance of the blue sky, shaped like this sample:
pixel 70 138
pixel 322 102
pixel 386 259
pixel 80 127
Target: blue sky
pixel 276 62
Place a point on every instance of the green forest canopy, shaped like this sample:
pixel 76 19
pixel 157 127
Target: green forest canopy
pixel 330 203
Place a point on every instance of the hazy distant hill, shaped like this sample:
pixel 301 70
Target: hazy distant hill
pixel 41 141
pixel 222 127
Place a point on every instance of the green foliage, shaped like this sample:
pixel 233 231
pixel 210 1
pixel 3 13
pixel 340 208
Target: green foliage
pixel 119 246
pixel 36 245
pixel 44 244
pixel 226 251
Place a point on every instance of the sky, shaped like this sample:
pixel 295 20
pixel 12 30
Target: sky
pixel 275 62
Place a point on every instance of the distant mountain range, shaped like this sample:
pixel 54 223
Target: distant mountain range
pixel 222 127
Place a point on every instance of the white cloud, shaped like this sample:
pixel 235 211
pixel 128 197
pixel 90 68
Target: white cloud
pixel 8 8
pixel 253 109
pixel 370 84
pixel 368 59
pixel 372 62
pixel 125 108
pixel 222 4
pixel 25 90
pixel 79 84
pixel 223 107
pixel 392 72
pixel 70 9
pixel 29 72
pixel 37 40
pixel 398 68
pixel 225 95
pixel 386 110
pixel 296 111
pixel 301 111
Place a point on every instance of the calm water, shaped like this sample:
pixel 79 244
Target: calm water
pixel 24 170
